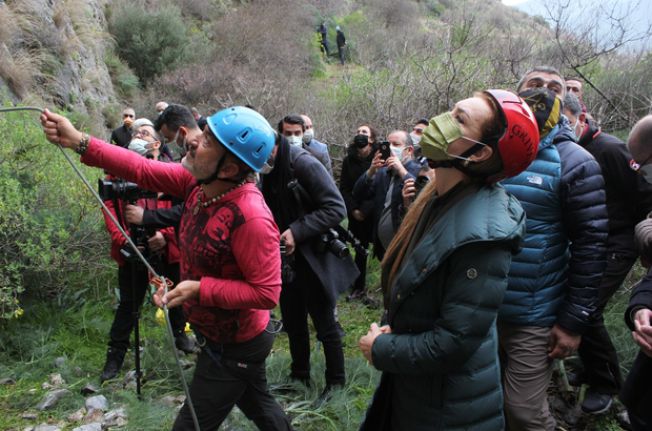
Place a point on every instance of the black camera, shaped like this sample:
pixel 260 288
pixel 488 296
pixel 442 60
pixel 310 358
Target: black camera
pixel 420 182
pixel 330 241
pixel 287 265
pixel 122 190
pixel 125 191
pixel 385 150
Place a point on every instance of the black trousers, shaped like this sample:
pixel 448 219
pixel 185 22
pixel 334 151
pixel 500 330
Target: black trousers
pixel 361 262
pixel 637 393
pixel 363 232
pixel 133 284
pixel 306 296
pixel 234 376
pixel 596 350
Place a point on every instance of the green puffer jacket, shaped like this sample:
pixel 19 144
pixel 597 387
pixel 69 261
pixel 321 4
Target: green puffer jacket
pixel 440 364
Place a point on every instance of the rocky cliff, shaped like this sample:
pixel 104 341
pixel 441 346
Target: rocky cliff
pixel 54 52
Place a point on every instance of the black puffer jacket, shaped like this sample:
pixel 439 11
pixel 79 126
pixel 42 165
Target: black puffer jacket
pixel 629 196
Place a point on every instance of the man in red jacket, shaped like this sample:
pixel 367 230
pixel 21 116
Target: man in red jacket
pixel 230 257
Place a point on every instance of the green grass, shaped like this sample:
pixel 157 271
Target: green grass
pixel 46 331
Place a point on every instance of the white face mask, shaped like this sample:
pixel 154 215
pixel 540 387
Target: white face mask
pixel 646 172
pixel 397 152
pixel 415 138
pixel 308 135
pixel 295 141
pixel 140 146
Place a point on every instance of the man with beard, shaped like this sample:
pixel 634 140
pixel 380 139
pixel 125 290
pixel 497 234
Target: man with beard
pixel 230 261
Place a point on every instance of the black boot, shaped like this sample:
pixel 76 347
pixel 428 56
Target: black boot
pixel 114 359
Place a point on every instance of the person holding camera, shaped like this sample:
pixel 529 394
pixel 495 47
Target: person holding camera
pixel 392 164
pixel 159 245
pixel 412 187
pixel 355 164
pixel 307 206
pixel 446 271
pixel 229 254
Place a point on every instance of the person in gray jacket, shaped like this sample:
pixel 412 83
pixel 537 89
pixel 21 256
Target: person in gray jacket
pixel 318 149
pixel 295 129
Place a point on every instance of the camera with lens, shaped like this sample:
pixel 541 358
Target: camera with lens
pixel 122 190
pixel 287 265
pixel 125 191
pixel 330 241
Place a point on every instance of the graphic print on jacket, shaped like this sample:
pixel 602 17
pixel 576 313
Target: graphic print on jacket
pixel 207 239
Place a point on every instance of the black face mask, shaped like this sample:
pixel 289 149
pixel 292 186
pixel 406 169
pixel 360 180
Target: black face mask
pixel 361 141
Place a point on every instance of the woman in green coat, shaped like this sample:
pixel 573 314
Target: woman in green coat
pixel 445 273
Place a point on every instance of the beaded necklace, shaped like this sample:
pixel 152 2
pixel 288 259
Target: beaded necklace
pixel 212 200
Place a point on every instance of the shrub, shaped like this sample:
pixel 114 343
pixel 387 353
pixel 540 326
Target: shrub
pixel 151 42
pixel 51 238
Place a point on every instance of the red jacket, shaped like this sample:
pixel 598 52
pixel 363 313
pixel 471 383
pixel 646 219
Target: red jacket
pixel 231 247
pixel 118 241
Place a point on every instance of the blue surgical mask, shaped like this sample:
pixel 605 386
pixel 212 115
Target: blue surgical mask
pixel 397 152
pixel 139 146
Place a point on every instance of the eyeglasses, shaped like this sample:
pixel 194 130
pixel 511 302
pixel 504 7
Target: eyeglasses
pixel 144 134
pixel 127 116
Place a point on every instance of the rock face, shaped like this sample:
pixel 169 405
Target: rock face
pixel 57 54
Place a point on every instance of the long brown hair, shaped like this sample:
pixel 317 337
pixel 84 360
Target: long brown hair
pixel 491 131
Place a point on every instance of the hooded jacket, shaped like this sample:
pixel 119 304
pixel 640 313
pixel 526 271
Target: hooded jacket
pixel 440 363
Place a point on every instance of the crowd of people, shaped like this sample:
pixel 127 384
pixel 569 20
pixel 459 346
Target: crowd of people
pixel 503 227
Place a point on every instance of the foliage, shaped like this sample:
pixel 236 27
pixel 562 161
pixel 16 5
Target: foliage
pixel 124 80
pixel 50 232
pixel 78 333
pixel 149 41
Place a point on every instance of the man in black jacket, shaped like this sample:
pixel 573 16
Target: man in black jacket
pixel 629 199
pixel 637 391
pixel 305 203
pixel 341 43
pixel 121 136
pixel 359 212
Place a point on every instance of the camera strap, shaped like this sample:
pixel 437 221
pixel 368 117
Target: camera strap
pixel 162 279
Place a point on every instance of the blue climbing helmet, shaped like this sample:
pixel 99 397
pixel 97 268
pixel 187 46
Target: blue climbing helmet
pixel 245 133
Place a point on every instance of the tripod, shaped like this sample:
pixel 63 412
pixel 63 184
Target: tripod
pixel 136 282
